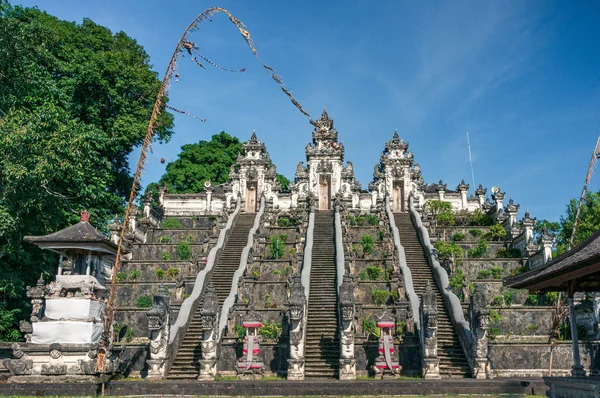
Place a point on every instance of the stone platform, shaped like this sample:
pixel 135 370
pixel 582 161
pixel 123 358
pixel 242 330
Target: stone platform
pixel 281 388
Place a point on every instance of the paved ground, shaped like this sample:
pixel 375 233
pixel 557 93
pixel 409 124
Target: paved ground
pixel 416 387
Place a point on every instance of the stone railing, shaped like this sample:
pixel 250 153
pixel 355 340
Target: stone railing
pixel 339 249
pixel 306 267
pixel 308 248
pixel 452 302
pixel 190 305
pixel 413 298
pixel 239 273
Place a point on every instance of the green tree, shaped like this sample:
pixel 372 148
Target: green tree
pixel 198 163
pixel 75 100
pixel 284 182
pixel 589 221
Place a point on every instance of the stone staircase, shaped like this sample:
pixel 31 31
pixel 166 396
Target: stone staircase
pixel 322 342
pixel 186 365
pixel 453 363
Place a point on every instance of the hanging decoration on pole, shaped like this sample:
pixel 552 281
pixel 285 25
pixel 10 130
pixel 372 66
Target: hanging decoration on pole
pixel 183 46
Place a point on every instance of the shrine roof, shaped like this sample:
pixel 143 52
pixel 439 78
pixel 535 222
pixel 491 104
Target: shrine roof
pixel 578 268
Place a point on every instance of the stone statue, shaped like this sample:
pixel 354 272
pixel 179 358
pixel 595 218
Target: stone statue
pixel 210 325
pixel 479 315
pixel 297 310
pixel 346 304
pixel 429 320
pixel 159 325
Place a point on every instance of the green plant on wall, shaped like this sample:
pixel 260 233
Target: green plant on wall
pixel 133 275
pixel 484 274
pixel 400 328
pixel 362 275
pixel 165 256
pixel 458 237
pixel 255 274
pixel 369 328
pixel 283 221
pixel 372 219
pixel 240 331
pixel 479 250
pixel 379 296
pixel 270 331
pixel 508 253
pixel 494 325
pixel 497 272
pixel 164 239
pixel 373 272
pixel 171 223
pixel 380 235
pixel 367 242
pixel 160 273
pixel 144 302
pixel 360 220
pixel 277 246
pixel 479 219
pixel 129 333
pixel 189 238
pixel 121 276
pixel 497 232
pixel 445 251
pixel 173 272
pixel 456 282
pixel 183 251
pixel 475 233
pixel 352 220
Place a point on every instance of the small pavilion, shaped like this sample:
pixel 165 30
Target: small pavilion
pixel 578 270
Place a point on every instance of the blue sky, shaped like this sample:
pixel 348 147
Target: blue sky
pixel 522 77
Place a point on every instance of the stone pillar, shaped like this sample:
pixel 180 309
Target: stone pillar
pixel 250 366
pixel 161 195
pixel 547 242
pixel 159 325
pixel 115 230
pixel 88 264
pixel 479 318
pixel 209 190
pixel 146 201
pixel 386 365
pixel 346 303
pixel 528 224
pixel 463 189
pixel 577 370
pixel 480 194
pixel 441 189
pixel 297 314
pixel 36 294
pixel 511 210
pixel 498 198
pixel 210 326
pixel 429 324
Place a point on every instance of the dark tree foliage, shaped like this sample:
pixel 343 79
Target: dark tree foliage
pixel 75 100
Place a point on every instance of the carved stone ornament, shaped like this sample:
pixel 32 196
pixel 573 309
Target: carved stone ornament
pixel 210 309
pixel 297 299
pixel 324 166
pixel 346 299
